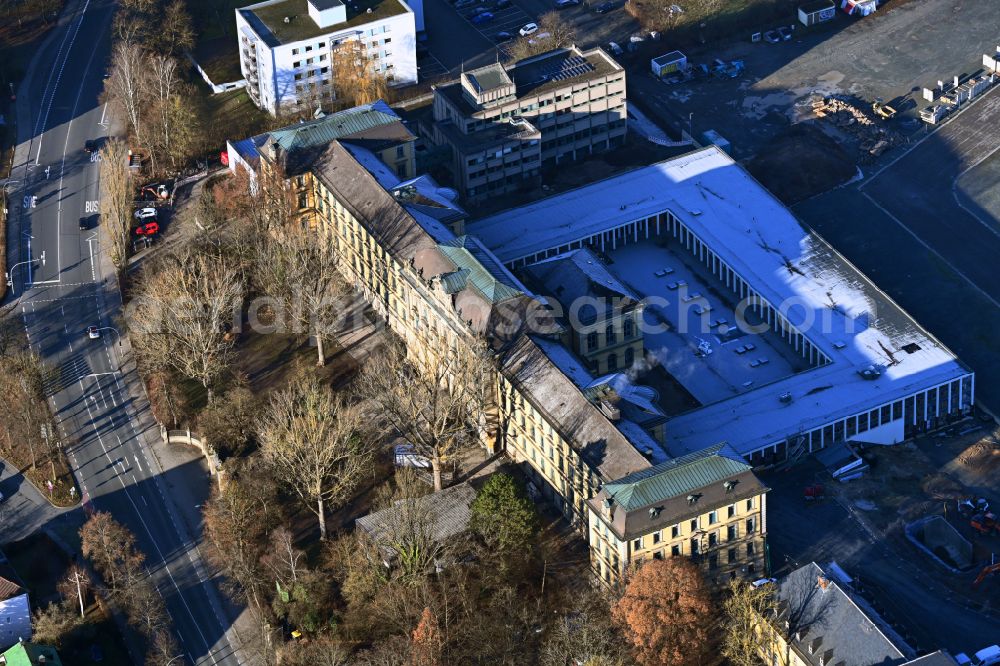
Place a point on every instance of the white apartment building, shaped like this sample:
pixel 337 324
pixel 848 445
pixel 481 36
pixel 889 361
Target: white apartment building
pixel 286 46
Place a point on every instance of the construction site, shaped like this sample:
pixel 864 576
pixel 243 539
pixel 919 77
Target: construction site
pixel 922 512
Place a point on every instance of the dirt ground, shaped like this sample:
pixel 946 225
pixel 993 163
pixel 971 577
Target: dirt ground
pixel 928 477
pixel 780 168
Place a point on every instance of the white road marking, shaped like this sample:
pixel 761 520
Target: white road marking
pixel 930 249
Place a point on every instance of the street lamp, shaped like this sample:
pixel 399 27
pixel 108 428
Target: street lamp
pixel 111 328
pixel 10 274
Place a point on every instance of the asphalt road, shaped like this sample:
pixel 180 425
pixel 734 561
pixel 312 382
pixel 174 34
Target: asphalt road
pixel 99 404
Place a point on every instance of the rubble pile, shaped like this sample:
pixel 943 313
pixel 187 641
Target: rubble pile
pixel 873 139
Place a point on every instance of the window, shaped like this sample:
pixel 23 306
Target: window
pixel 612 362
pixel 303 200
pixel 656 538
pixel 675 531
pixel 400 151
pixel 658 555
pixel 388 40
pixel 750 549
pixel 629 357
pixel 694 524
pixel 713 561
pixel 298 77
pixel 675 550
pixel 695 549
pixel 713 539
pixel 713 517
pixel 295 51
pixel 322 57
pixel 731 533
pixel 297 64
pixel 636 545
pixel 609 334
pixel 732 555
pixel 592 341
pixel 309 48
pixel 751 525
pixel 750 504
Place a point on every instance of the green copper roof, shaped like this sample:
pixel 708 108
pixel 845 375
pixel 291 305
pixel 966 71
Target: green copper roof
pixel 479 268
pixel 334 126
pixel 675 477
pixel 27 654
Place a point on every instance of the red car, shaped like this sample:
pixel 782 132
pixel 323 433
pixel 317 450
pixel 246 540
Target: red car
pixel 148 229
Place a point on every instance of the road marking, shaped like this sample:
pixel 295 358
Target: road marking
pixel 104 113
pixel 166 567
pixel 932 250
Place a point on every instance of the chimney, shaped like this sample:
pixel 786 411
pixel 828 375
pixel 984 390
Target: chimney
pixel 823 582
pixel 609 509
pixel 814 644
pixel 827 658
pixel 274 151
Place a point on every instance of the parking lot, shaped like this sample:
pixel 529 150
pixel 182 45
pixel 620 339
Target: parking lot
pixel 886 55
pixel 456 40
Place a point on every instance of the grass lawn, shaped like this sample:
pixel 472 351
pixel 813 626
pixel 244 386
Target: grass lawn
pixel 220 58
pixel 230 115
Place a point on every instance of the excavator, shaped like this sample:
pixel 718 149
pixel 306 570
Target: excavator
pixel 990 569
pixel 882 110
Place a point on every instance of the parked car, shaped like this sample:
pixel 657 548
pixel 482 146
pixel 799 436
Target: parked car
pixel 482 17
pixel 93 332
pixel 528 29
pixel 604 8
pixel 147 229
pixel 502 37
pixel 614 48
pixel 563 4
pixel 144 214
pixel 502 4
pixel 91 145
pixel 461 4
pixel 785 32
pixel 772 37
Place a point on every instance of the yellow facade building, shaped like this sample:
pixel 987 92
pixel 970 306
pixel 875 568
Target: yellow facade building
pixel 402 246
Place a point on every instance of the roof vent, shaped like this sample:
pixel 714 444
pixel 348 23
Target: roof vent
pixel 871 373
pixel 368 11
pixel 648 452
pixel 654 511
pixel 729 485
pixel 785 397
pixel 610 410
pixel 692 499
pixel 288 19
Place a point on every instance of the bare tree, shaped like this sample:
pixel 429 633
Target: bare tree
pixel 237 520
pixel 127 84
pixel 176 33
pixel 298 267
pixel 110 547
pixel 561 34
pixel 357 81
pixel 188 306
pixel 439 407
pixel 747 610
pixel 116 201
pixel 163 76
pixel 313 440
pixel 283 559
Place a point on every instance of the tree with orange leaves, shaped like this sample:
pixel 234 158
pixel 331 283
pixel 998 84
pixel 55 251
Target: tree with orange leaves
pixel 666 613
pixel 427 643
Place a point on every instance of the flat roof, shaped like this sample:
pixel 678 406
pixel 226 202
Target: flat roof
pixel 268 18
pixel 854 323
pixel 542 73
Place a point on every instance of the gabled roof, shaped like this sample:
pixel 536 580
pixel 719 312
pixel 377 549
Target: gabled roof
pixel 447 511
pixel 675 477
pixel 580 274
pixel 479 268
pixel 355 122
pixel 9 589
pixel 822 614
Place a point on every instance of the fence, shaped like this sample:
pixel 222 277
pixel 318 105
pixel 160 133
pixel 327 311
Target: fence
pixel 186 437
